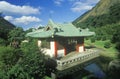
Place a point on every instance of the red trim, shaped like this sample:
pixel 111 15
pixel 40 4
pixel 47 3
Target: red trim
pixel 65 51
pixel 55 46
pixel 77 47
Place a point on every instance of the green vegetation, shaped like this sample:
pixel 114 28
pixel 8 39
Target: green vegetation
pixel 16 34
pixel 107 55
pixel 104 13
pixel 26 62
pixel 104 19
pixel 4 24
pixel 46 77
pixel 5 27
pixel 108 52
pixel 107 45
pixel 22 60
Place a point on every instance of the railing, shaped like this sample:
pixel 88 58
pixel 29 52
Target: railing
pixel 77 59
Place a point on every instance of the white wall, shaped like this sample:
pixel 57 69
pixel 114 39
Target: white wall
pixel 52 48
pixel 39 43
pixel 81 48
pixel 60 53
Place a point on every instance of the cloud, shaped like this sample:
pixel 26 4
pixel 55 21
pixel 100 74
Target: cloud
pixel 23 20
pixel 83 5
pixel 15 9
pixel 92 1
pixel 9 18
pixel 26 19
pixel 58 2
pixel 78 6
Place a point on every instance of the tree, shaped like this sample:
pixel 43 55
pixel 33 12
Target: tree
pixel 107 45
pixel 33 61
pixel 114 69
pixel 8 58
pixel 2 42
pixel 29 30
pixel 116 37
pixel 15 36
pixel 104 37
pixel 92 39
pixel 17 72
pixel 16 33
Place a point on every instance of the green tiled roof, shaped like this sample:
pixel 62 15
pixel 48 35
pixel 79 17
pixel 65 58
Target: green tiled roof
pixel 63 30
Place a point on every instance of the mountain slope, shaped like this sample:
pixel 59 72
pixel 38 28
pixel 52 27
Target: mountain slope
pixel 5 27
pixel 105 12
pixel 4 24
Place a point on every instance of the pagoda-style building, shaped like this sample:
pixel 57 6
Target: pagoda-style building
pixel 62 38
pixel 65 43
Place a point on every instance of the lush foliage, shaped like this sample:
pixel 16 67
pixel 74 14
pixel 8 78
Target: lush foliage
pixel 16 34
pixel 4 24
pixel 33 61
pixel 116 37
pixel 110 17
pixel 5 27
pixel 8 58
pixel 92 39
pixel 2 42
pixel 107 45
pixel 26 62
pixel 104 20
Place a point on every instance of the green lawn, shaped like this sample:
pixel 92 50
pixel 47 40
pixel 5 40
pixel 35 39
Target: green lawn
pixel 108 52
pixel 46 77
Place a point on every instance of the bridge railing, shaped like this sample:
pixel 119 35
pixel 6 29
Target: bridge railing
pixel 78 59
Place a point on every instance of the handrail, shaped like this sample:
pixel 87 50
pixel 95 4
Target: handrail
pixel 78 59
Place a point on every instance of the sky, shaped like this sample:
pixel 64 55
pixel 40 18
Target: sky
pixel 34 13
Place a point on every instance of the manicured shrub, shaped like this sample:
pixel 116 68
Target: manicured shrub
pixel 104 38
pixel 92 39
pixel 107 45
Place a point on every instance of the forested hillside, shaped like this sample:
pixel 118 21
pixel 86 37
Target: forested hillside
pixel 4 24
pixel 5 27
pixel 105 12
pixel 104 19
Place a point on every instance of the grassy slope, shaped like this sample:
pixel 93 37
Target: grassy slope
pixel 110 52
pixel 107 55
